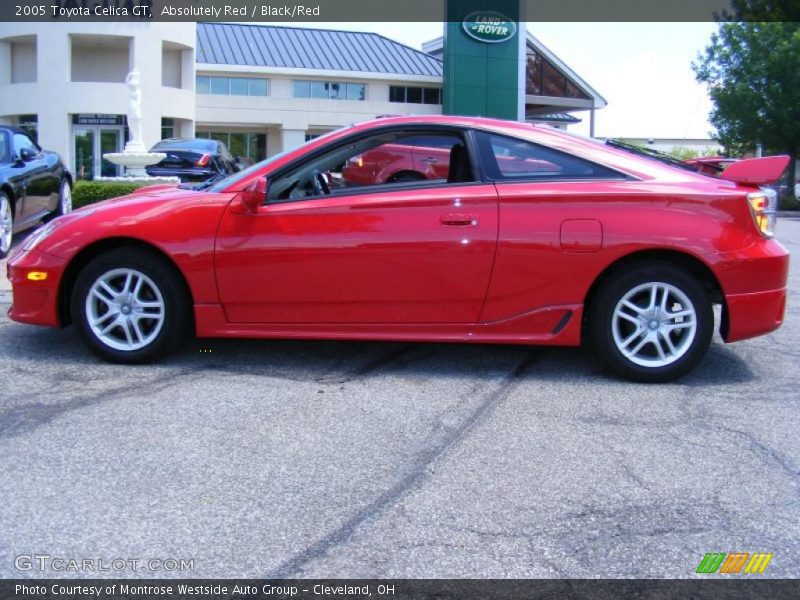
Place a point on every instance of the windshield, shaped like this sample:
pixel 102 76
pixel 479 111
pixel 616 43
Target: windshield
pixel 219 185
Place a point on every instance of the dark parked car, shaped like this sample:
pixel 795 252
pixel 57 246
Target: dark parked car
pixel 193 159
pixel 34 185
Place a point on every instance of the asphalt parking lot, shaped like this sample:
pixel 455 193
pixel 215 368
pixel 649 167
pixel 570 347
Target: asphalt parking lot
pixel 312 459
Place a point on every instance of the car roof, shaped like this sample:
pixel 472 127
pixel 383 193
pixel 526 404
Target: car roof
pixel 12 129
pixel 205 143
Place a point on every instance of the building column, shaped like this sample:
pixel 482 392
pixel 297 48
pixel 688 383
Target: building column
pixel 53 75
pixel 292 138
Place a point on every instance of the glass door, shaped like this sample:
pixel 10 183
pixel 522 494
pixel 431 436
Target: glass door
pixel 84 152
pixel 109 142
pixel 91 143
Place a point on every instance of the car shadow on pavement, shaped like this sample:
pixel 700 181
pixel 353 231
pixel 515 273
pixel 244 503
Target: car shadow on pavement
pixel 344 361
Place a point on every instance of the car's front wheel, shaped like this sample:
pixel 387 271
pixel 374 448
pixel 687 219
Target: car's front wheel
pixel 652 323
pixel 130 306
pixel 6 225
pixel 64 199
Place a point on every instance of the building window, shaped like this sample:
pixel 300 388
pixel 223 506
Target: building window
pixel 329 90
pixel 167 128
pixel 232 86
pixel 30 125
pixel 415 95
pixel 543 79
pixel 250 145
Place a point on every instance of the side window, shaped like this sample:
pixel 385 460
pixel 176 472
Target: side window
pixel 22 141
pixel 509 158
pixel 5 155
pixel 386 159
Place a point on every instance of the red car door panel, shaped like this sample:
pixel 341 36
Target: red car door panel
pixel 399 256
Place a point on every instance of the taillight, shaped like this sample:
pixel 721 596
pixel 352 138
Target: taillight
pixel 203 160
pixel 763 206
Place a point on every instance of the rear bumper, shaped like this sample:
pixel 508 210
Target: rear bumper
pixel 35 302
pixel 750 315
pixel 754 283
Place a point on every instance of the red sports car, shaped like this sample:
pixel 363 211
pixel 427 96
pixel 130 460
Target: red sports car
pixel 603 245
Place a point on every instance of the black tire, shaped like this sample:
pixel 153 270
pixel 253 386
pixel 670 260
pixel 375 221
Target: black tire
pixel 7 226
pixel 690 350
pixel 159 275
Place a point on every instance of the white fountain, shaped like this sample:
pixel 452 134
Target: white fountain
pixel 135 157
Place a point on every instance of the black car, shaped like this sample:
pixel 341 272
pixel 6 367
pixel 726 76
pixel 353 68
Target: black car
pixel 193 159
pixel 34 185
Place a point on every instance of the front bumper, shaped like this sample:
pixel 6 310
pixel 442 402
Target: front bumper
pixel 35 301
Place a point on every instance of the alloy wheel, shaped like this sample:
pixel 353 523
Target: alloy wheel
pixel 125 309
pixel 6 224
pixel 654 324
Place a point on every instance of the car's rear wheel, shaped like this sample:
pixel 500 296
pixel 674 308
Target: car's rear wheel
pixel 130 306
pixel 6 225
pixel 652 323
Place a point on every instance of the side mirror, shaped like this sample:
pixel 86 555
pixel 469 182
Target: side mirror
pixel 27 154
pixel 252 196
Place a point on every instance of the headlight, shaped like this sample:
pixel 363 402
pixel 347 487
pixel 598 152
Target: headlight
pixel 38 235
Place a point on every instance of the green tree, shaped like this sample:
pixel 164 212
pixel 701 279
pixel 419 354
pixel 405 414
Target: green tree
pixel 752 70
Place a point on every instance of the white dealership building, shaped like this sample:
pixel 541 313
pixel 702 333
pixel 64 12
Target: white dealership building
pixel 260 89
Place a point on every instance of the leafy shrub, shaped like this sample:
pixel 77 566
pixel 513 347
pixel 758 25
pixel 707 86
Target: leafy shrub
pixel 89 192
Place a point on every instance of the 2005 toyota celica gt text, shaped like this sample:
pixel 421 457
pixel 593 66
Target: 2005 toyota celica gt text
pixel 534 237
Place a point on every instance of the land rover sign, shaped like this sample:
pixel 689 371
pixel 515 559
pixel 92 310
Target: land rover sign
pixel 489 27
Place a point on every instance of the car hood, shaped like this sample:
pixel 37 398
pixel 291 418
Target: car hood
pixel 153 215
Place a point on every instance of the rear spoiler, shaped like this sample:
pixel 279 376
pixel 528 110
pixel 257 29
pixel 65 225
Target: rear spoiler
pixel 756 171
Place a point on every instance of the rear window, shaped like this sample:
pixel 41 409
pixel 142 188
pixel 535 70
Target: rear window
pixel 195 144
pixel 511 159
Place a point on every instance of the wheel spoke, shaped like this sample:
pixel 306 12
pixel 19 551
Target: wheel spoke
pixel 627 341
pixel 680 314
pixel 126 327
pixel 109 327
pixel 137 331
pixel 637 309
pixel 112 293
pixel 623 315
pixel 103 318
pixel 126 287
pixel 653 297
pixel 664 300
pixel 659 348
pixel 639 346
pixel 103 298
pixel 668 340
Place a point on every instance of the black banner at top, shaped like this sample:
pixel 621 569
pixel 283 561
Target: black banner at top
pixel 305 11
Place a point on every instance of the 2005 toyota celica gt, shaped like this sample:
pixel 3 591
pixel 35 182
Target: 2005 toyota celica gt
pixel 534 237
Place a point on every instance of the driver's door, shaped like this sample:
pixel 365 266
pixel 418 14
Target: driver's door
pixel 420 255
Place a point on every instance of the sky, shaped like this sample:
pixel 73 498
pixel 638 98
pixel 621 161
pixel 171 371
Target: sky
pixel 643 70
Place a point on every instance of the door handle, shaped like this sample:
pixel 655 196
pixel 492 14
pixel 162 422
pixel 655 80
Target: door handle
pixel 459 220
pixel 429 160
